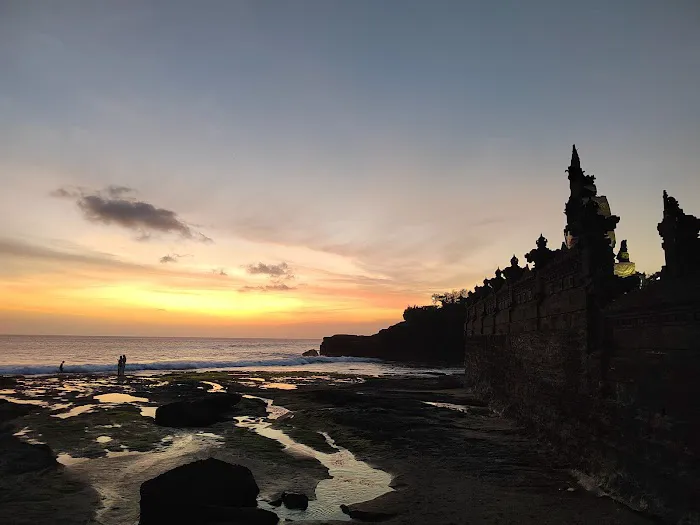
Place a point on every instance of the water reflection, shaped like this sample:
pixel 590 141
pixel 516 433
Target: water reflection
pixel 25 401
pixel 149 412
pixel 279 386
pixel 215 387
pixel 352 481
pixel 75 411
pixel 119 398
pixel 68 460
pixel 451 406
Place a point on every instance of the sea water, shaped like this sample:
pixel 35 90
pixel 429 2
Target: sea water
pixel 29 355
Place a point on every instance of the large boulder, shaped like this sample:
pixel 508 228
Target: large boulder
pixel 205 491
pixel 292 500
pixel 196 413
pixel 310 353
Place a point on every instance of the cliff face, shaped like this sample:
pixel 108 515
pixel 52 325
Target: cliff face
pixel 432 339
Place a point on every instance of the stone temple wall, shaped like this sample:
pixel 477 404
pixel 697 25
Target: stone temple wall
pixel 621 403
pixel 606 371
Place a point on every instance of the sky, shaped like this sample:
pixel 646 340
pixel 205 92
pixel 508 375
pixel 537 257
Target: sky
pixel 304 168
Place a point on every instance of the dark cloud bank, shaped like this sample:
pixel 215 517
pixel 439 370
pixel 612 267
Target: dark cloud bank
pixel 116 205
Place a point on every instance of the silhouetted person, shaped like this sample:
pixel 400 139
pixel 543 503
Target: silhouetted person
pixel 120 366
pixel 124 364
pixel 60 367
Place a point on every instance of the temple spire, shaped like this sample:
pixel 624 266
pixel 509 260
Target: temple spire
pixel 575 161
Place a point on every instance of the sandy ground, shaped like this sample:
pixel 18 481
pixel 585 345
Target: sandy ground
pixel 454 463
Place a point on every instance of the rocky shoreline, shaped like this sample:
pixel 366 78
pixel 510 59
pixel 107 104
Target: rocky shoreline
pixel 449 458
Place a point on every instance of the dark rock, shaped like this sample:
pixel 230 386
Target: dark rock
pixel 9 410
pixel 204 491
pixel 18 457
pixel 7 382
pixel 453 381
pixel 277 501
pixel 232 389
pixel 292 500
pixel 222 401
pixel 366 515
pixel 196 413
pixel 310 353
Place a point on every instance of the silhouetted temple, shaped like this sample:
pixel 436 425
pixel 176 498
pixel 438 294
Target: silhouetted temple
pixel 601 362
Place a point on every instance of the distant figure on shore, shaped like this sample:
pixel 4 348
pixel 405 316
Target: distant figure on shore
pixel 124 364
pixel 120 366
pixel 60 367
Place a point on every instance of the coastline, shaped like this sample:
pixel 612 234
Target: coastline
pixel 450 458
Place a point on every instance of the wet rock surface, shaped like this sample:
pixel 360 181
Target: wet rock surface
pixel 453 461
pixel 9 411
pixel 33 487
pixel 366 515
pixel 18 457
pixel 310 353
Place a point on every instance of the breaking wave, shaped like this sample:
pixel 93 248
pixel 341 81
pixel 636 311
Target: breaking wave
pixel 178 365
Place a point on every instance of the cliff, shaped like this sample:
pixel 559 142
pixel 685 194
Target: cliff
pixel 434 335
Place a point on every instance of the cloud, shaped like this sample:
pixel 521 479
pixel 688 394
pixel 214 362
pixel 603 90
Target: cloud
pixel 276 273
pixel 273 270
pixel 114 206
pixel 275 287
pixel 171 258
pixel 118 191
pixel 219 271
pixel 64 193
pixel 22 250
pixel 63 262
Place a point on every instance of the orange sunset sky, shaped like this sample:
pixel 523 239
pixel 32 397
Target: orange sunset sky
pixel 298 169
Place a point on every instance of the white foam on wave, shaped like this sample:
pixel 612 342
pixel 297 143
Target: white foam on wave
pixel 178 365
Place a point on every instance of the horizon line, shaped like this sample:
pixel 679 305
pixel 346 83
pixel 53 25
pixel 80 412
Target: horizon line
pixel 165 337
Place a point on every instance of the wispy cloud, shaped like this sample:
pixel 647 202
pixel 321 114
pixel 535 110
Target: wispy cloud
pixel 277 274
pixel 275 287
pixel 171 258
pixel 281 270
pixel 114 205
pixel 79 264
pixel 11 248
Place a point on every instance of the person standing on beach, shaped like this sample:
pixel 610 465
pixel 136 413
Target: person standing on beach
pixel 60 367
pixel 124 364
pixel 120 364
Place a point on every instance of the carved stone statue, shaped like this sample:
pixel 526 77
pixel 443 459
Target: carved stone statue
pixel 681 245
pixel 541 255
pixel 497 281
pixel 513 272
pixel 623 267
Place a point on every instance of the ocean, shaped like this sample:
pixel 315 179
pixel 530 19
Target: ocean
pixel 32 355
